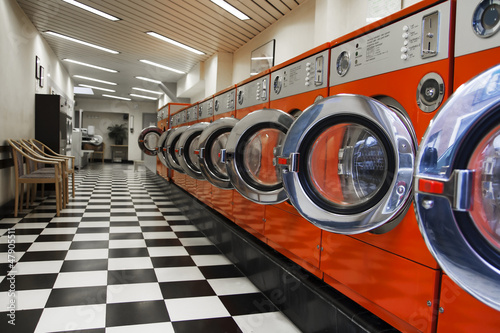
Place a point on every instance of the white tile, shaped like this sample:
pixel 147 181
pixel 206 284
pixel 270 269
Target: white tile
pixel 11 220
pixel 73 210
pixel 167 251
pixel 66 219
pixel 20 239
pixel 81 279
pixel 91 237
pixel 122 210
pixel 29 225
pixel 170 274
pixel 152 223
pixel 58 231
pixel 126 243
pixel 24 299
pixel 49 246
pixel 176 218
pixel 275 322
pixel 123 219
pixel 91 206
pixel 184 228
pixel 85 254
pixel 129 263
pixel 159 235
pixel 4 257
pixel 72 318
pixel 94 224
pixel 233 286
pixel 149 213
pixel 195 241
pixel 195 308
pixel 117 230
pixel 170 210
pixel 211 260
pixel 150 328
pixel 136 292
pixel 95 214
pixel 38 267
pixel 98 200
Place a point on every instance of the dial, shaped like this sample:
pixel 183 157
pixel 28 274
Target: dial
pixel 343 63
pixel 486 18
pixel 277 84
pixel 240 97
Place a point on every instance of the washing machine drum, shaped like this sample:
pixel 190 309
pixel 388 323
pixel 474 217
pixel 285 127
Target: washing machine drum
pixel 189 149
pixel 149 139
pixel 458 187
pixel 162 148
pixel 348 164
pixel 172 148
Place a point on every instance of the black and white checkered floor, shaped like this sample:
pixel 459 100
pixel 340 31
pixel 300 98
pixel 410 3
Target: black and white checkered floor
pixel 122 258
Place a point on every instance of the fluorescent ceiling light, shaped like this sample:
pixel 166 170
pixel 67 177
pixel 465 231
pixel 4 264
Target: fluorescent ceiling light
pixel 147 79
pixel 83 91
pixel 117 97
pixel 97 88
pixel 95 80
pixel 261 58
pixel 80 42
pixel 149 91
pixel 146 97
pixel 161 66
pixel 92 10
pixel 224 5
pixel 171 41
pixel 89 65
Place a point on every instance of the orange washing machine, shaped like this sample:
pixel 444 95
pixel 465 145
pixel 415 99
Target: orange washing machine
pixel 348 162
pixel 212 140
pixel 458 188
pixel 178 123
pixel 251 94
pixel 191 118
pixel 295 85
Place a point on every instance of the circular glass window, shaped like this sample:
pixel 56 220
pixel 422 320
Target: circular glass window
pixel 485 210
pixel 348 165
pixel 219 143
pixel 258 156
pixel 193 153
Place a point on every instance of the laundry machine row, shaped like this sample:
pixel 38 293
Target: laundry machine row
pixel 335 189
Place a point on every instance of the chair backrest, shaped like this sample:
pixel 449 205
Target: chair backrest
pixel 18 157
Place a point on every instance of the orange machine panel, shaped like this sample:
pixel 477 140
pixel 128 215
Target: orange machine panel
pixel 249 215
pixel 393 288
pixel 468 66
pixel 222 201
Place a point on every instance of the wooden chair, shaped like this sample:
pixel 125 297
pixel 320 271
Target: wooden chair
pixel 70 161
pixel 26 175
pixel 98 152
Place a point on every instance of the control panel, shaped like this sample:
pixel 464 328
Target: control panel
pixel 252 93
pixel 206 109
pixel 225 102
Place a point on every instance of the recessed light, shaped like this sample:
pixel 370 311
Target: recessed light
pixel 146 97
pixel 92 10
pixel 97 88
pixel 83 91
pixel 89 65
pixel 117 97
pixel 224 5
pixel 95 80
pixel 81 42
pixel 161 66
pixel 149 91
pixel 171 41
pixel 147 79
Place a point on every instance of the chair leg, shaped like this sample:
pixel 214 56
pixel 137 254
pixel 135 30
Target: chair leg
pixel 58 198
pixel 73 183
pixel 21 194
pixel 16 200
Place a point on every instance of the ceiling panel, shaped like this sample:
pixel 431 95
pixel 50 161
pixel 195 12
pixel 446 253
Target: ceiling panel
pixel 197 23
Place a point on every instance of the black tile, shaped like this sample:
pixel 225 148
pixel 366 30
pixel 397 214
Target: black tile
pixel 180 261
pixel 163 242
pixel 77 296
pixel 115 205
pixel 72 214
pixel 172 213
pixel 28 231
pixel 124 223
pixel 157 228
pixel 151 218
pixel 244 304
pixel 43 256
pixel 220 271
pixel 131 276
pixel 179 222
pixel 20 247
pixel 84 265
pixel 125 235
pixel 30 282
pixel 121 314
pixel 225 324
pixel 25 321
pixel 128 252
pixel 118 214
pixel 184 289
pixel 89 245
pixel 96 230
pixel 55 238
pixel 63 225
pixel 95 219
pixel 36 219
pixel 202 249
pixel 97 210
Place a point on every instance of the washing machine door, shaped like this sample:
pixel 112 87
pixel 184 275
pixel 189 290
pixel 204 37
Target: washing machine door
pixel 148 140
pixel 171 153
pixel 162 148
pixel 212 140
pixel 189 149
pixel 348 164
pixel 250 153
pixel 457 186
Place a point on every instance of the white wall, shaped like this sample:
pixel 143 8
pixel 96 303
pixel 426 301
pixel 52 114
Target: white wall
pixel 20 43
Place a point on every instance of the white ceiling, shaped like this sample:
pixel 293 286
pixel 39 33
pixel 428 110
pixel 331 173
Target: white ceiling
pixel 197 23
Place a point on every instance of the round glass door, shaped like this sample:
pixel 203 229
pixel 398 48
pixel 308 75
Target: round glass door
pixel 171 143
pixel 189 150
pixel 457 187
pixel 148 140
pixel 213 140
pixel 348 164
pixel 162 148
pixel 251 150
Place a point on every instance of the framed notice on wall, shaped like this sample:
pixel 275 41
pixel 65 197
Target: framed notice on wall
pixel 378 9
pixel 262 58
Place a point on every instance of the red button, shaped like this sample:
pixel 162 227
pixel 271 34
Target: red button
pixel 282 161
pixel 196 152
pixel 430 186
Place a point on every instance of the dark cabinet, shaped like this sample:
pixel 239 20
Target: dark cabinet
pixel 53 126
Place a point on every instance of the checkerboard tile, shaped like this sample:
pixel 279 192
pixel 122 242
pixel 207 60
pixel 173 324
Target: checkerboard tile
pixel 122 258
